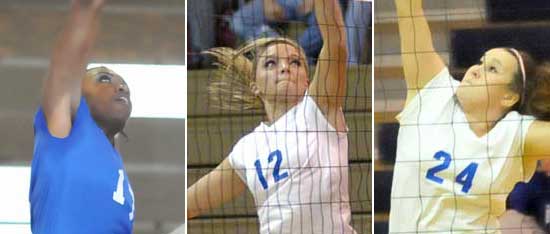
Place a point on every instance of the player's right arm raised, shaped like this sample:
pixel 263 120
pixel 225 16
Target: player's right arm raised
pixel 216 188
pixel 420 61
pixel 62 87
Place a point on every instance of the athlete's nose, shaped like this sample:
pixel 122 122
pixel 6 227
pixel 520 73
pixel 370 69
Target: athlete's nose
pixel 123 87
pixel 284 67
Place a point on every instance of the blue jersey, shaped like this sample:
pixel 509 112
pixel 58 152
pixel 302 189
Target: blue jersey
pixel 78 183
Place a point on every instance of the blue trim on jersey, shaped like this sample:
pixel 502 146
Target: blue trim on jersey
pixel 74 180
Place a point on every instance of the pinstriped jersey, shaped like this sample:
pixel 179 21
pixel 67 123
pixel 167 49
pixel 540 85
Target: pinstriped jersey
pixel 297 171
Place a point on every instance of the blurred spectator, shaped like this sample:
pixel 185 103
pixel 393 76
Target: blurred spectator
pixel 207 28
pixel 358 20
pixel 202 23
pixel 530 202
pixel 201 28
pixel 257 18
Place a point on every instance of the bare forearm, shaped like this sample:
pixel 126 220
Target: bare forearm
pixel 328 87
pixel 420 61
pixel 63 82
pixel 211 191
pixel 414 29
pixel 408 8
pixel 73 46
pixel 330 20
pixel 195 203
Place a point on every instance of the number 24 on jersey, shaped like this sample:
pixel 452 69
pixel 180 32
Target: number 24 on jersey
pixel 465 177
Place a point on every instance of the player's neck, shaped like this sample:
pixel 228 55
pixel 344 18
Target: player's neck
pixel 481 118
pixel 110 134
pixel 109 128
pixel 275 110
pixel 481 122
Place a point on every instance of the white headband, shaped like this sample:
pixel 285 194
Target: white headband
pixel 522 68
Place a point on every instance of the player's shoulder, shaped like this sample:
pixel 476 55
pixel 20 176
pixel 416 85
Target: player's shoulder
pixel 540 124
pixel 82 120
pixel 247 140
pixel 238 155
pixel 535 130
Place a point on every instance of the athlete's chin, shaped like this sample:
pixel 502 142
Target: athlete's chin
pixel 120 114
pixel 292 89
pixel 122 109
pixel 287 98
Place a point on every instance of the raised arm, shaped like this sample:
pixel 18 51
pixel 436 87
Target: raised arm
pixel 62 87
pixel 328 87
pixel 214 189
pixel 272 10
pixel 536 145
pixel 420 61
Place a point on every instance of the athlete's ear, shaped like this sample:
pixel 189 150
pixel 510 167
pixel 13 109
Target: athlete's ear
pixel 254 88
pixel 510 99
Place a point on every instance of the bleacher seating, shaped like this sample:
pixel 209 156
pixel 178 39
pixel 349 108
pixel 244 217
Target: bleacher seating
pixel 518 10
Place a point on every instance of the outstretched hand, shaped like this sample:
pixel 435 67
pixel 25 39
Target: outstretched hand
pixel 76 41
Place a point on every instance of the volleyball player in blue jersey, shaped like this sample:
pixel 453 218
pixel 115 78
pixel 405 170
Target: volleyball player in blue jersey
pixel 78 182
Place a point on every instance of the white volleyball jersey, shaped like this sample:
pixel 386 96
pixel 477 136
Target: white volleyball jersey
pixel 447 179
pixel 297 171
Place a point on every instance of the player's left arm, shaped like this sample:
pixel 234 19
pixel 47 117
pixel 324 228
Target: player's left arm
pixel 536 145
pixel 329 81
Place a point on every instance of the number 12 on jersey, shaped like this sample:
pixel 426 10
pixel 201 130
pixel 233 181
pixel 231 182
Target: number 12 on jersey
pixel 465 177
pixel 277 175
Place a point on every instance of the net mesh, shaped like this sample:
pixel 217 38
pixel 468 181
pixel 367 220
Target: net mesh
pixel 442 193
pixel 213 133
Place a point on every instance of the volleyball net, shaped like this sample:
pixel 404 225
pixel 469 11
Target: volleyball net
pixel 212 133
pixel 462 32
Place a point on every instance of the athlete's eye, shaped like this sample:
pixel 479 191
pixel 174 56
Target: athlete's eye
pixel 269 63
pixel 296 62
pixel 104 79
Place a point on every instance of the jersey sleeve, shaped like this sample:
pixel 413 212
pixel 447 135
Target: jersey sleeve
pixel 82 118
pixel 236 161
pixel 432 99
